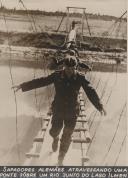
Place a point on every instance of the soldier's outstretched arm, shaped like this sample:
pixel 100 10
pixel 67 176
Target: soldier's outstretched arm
pixel 93 96
pixel 35 83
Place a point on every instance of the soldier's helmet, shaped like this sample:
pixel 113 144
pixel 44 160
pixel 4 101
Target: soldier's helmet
pixel 72 52
pixel 70 61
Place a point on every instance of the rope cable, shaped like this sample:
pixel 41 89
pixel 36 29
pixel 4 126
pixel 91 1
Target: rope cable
pixel 122 144
pixel 102 94
pixel 95 113
pixel 29 17
pixel 12 82
pixel 117 127
pixel 110 30
pixel 9 63
pixel 35 30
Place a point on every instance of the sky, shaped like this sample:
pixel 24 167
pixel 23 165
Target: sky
pixel 106 7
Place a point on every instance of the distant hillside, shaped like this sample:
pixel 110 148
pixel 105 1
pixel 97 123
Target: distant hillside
pixel 57 13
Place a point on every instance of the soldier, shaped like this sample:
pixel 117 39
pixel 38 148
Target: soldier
pixel 72 35
pixel 82 65
pixel 65 107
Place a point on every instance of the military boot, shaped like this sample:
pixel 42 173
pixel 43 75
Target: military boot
pixel 55 144
pixel 61 158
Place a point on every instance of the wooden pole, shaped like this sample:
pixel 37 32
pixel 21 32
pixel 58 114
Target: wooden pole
pixel 76 7
pixel 87 24
pixel 67 23
pixel 60 23
pixel 82 30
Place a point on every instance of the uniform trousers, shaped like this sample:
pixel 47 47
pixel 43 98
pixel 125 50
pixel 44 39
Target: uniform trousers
pixel 67 122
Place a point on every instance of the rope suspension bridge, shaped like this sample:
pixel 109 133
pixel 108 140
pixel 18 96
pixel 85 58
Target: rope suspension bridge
pixel 89 124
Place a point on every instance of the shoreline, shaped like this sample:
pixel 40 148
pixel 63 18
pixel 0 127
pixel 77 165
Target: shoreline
pixel 102 67
pixel 54 40
pixel 43 59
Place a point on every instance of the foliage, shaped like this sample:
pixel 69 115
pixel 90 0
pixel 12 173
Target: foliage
pixel 57 13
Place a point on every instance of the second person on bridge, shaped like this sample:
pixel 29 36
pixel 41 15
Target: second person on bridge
pixel 65 107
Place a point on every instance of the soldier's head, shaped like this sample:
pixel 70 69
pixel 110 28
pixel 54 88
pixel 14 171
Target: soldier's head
pixel 73 24
pixel 72 45
pixel 71 52
pixel 70 63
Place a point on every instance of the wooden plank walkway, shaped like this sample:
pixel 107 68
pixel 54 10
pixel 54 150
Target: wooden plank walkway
pixel 41 152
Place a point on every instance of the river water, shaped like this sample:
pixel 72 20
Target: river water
pixel 14 144
pixel 28 123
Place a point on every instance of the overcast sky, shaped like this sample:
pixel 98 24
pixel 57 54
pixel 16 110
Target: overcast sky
pixel 109 7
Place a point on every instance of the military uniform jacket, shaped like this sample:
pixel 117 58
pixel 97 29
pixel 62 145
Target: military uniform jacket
pixel 66 91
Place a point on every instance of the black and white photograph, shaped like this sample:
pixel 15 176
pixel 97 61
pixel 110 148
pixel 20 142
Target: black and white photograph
pixel 63 83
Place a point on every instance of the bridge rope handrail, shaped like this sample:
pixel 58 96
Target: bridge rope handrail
pixel 12 83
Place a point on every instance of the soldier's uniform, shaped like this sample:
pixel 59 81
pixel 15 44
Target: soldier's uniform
pixel 65 107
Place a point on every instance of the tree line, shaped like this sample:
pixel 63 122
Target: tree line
pixel 57 13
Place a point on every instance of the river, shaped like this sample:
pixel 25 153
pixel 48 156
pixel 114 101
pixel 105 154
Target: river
pixel 14 144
